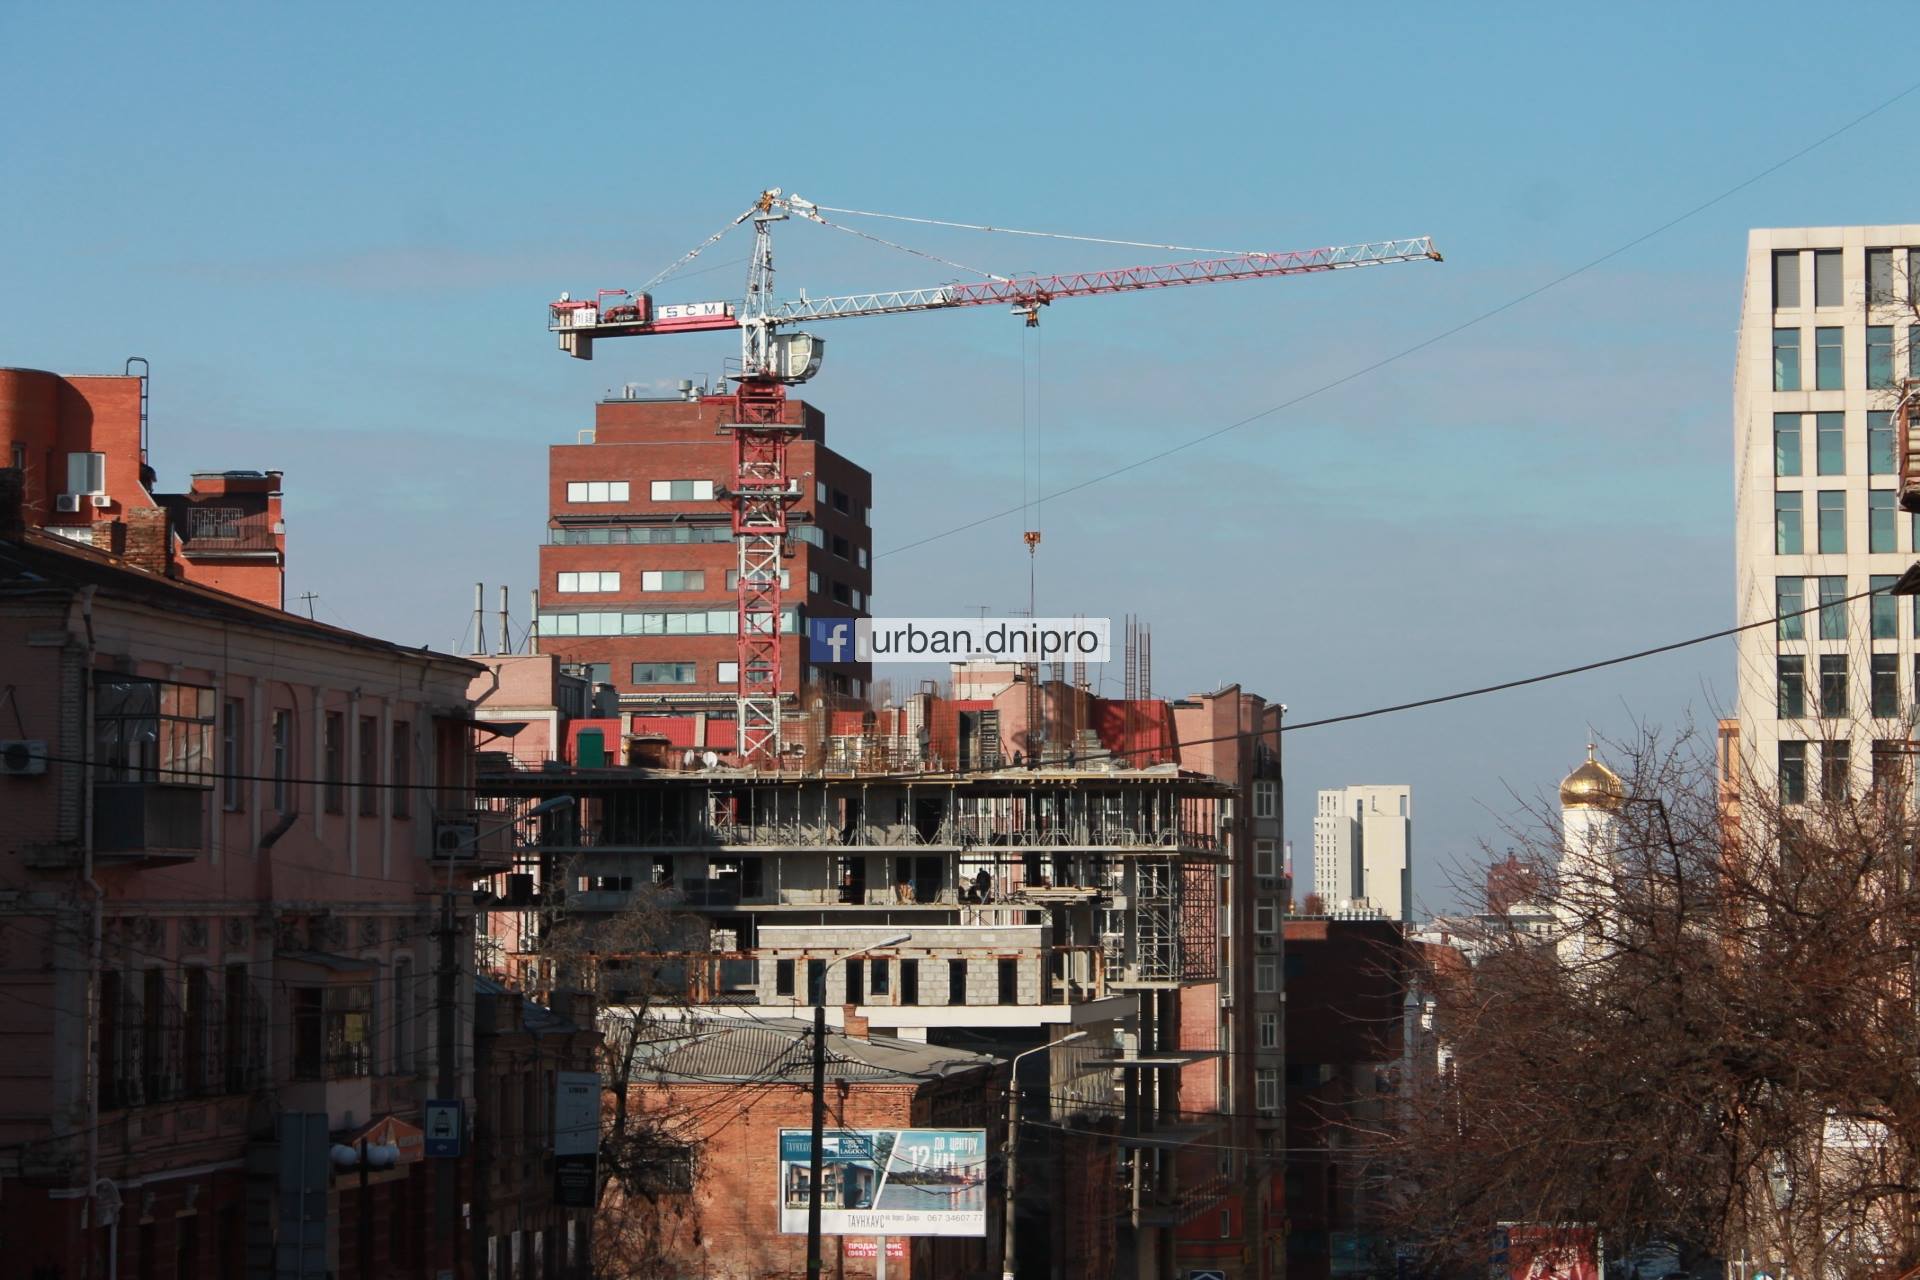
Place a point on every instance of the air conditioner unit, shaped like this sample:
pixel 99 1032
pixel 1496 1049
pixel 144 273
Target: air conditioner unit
pixel 68 502
pixel 455 839
pixel 102 499
pixel 23 758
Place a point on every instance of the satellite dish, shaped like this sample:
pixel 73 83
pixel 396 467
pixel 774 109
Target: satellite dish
pixel 686 758
pixel 710 759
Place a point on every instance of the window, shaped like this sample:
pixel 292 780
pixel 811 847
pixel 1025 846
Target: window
pixel 331 1032
pixel 1265 863
pixel 841 504
pixel 1833 685
pixel 1913 351
pixel 909 982
pixel 840 547
pixel 1836 761
pixel 1787 540
pixel 1786 359
pixel 19 456
pixel 956 982
pixel 727 672
pixel 1826 278
pixel 403 1050
pixel 1833 522
pixel 1790 598
pixel 673 580
pixel 597 491
pixel 402 774
pixel 665 672
pixel 819 490
pixel 1266 1089
pixel 1786 444
pixel 856 992
pixel 1269 1031
pixel 193 1045
pixel 86 473
pixel 679 533
pixel 783 977
pixel 841 595
pixel 1266 917
pixel 682 490
pixel 1793 773
pixel 816 982
pixel 1879 275
pixel 866 516
pixel 1879 357
pixel 1833 610
pixel 882 975
pixel 1884 685
pixel 572 582
pixel 152 731
pixel 1009 978
pixel 1880 535
pixel 368 749
pixel 1880 456
pixel 1266 799
pixel 733 579
pixel 233 752
pixel 333 748
pixel 282 758
pixel 1885 615
pixel 1889 765
pixel 238 1048
pixel 1829 359
pixel 1786 280
pixel 861 557
pixel 813 582
pixel 1266 974
pixel 1830 435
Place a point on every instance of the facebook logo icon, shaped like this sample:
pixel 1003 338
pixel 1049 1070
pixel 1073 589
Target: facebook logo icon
pixel 830 639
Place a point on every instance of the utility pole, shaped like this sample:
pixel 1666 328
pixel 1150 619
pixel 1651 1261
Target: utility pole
pixel 819 1127
pixel 447 1171
pixel 819 995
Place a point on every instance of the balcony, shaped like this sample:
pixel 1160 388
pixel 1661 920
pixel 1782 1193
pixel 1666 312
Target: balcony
pixel 162 821
pixel 225 531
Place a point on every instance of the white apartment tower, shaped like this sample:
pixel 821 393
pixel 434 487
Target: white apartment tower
pixel 1363 849
pixel 1827 333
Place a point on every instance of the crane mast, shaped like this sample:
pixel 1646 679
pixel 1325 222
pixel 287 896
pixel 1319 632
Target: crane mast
pixel 773 358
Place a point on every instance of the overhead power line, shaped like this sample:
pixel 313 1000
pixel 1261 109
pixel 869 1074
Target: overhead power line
pixel 1404 352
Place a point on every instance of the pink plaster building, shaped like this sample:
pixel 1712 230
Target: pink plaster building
pixel 221 923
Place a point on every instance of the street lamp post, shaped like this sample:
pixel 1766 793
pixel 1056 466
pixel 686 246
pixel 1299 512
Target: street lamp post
pixel 1013 1145
pixel 819 995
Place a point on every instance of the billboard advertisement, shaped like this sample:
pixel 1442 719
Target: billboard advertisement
pixel 887 1182
pixel 576 1138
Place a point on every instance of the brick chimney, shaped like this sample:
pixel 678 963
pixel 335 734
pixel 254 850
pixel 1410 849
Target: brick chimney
pixel 149 540
pixel 856 1025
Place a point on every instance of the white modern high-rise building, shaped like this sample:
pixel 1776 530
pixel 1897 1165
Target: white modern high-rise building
pixel 1827 333
pixel 1363 849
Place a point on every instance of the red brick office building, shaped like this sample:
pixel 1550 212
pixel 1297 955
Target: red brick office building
pixel 638 575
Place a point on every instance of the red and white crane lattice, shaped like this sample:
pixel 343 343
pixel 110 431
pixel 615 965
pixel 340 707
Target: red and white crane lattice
pixel 773 359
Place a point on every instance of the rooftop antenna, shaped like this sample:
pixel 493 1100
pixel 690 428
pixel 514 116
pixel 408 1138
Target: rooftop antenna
pixel 309 597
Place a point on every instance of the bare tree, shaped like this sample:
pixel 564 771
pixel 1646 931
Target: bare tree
pixel 637 963
pixel 1715 1046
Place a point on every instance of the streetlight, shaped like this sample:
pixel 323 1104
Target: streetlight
pixel 367 1155
pixel 819 995
pixel 1013 1143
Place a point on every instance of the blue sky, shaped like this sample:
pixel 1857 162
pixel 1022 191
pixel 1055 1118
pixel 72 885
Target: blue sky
pixel 333 230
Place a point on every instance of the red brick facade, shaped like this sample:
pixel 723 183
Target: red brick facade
pixel 640 442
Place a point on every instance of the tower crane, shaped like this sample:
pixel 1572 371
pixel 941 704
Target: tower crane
pixel 775 355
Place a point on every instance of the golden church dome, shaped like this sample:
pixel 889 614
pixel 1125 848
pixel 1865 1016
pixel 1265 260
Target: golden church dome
pixel 1592 786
